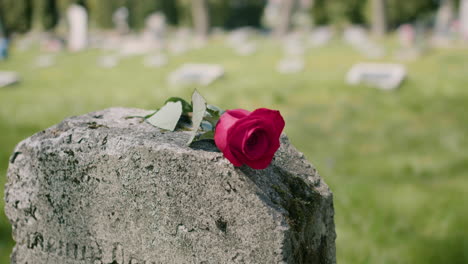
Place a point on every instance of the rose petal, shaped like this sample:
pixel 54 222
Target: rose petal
pixel 255 143
pixel 224 124
pixel 272 116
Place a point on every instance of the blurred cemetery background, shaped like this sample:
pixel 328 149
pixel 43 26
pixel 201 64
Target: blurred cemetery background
pixel 374 92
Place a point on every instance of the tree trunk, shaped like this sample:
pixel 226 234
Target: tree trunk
pixel 464 19
pixel 379 18
pixel 445 16
pixel 200 18
pixel 284 20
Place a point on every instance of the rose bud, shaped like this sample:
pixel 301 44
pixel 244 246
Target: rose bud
pixel 250 138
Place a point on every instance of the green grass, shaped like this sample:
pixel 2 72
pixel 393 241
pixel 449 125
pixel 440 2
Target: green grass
pixel 396 161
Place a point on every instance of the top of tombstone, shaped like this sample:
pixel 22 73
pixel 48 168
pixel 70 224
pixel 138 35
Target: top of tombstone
pixel 117 190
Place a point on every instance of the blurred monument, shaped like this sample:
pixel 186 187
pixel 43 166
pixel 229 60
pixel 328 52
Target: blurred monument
pixel 155 60
pixel 383 76
pixel 194 73
pixel 320 36
pixel 290 65
pixel 240 41
pixel 8 78
pixel 407 39
pixel 464 19
pixel 120 19
pixel 155 30
pixel 78 27
pixel 108 62
pixel 44 61
pixel 359 39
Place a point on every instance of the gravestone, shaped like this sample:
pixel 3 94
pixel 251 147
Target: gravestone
pixel 134 45
pixel 181 41
pixel 290 65
pixel 8 78
pixel 245 49
pixel 102 188
pixel 157 60
pixel 358 38
pixel 120 19
pixel 407 39
pixel 320 36
pixel 45 61
pixel 108 61
pixel 293 46
pixel 464 19
pixel 380 75
pixel 406 35
pixel 78 27
pixel 194 73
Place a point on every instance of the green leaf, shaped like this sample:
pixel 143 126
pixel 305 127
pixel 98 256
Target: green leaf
pixel 207 135
pixel 214 110
pixel 167 117
pixel 186 107
pixel 199 109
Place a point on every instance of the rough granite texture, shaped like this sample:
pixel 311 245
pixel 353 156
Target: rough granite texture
pixel 103 189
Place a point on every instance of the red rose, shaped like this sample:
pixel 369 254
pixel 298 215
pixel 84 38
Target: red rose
pixel 250 138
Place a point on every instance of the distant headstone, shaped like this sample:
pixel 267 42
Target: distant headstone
pixel 406 35
pixel 78 27
pixel 320 36
pixel 379 75
pixel 103 188
pixel 109 61
pixel 52 44
pixel 133 45
pixel 156 27
pixel 246 49
pixel 192 73
pixel 294 47
pixel 157 60
pixel 120 19
pixel 407 38
pixel 464 19
pixel 358 38
pixel 181 42
pixel 45 61
pixel 8 78
pixel 239 36
pixel 290 65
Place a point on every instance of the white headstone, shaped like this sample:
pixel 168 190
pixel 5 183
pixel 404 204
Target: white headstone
pixel 406 35
pixel 380 75
pixel 156 26
pixel 78 27
pixel 290 65
pixel 320 36
pixel 45 61
pixel 157 60
pixel 464 19
pixel 358 38
pixel 120 19
pixel 8 78
pixel 246 49
pixel 108 62
pixel 191 73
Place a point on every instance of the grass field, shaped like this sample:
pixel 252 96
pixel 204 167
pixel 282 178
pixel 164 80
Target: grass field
pixel 397 161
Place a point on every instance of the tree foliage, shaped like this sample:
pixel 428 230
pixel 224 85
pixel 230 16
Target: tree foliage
pixel 16 15
pixel 22 15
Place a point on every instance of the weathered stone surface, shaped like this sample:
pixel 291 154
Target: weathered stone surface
pixel 100 188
